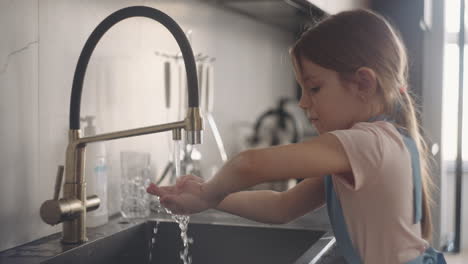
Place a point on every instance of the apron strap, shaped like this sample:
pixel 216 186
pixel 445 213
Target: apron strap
pixel 417 181
pixel 340 230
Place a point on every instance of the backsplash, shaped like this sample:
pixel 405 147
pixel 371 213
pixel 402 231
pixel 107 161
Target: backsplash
pixel 124 88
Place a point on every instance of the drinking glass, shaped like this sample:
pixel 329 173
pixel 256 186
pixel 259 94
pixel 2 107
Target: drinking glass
pixel 135 179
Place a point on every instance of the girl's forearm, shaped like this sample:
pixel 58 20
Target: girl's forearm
pixel 314 158
pixel 261 206
pixel 276 207
pixel 233 177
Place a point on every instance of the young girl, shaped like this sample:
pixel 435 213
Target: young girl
pixel 368 165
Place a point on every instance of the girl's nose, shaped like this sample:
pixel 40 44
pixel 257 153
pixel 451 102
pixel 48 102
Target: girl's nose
pixel 304 101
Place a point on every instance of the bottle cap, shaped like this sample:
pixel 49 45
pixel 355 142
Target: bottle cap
pixel 90 129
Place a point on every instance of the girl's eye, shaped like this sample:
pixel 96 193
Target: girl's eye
pixel 314 90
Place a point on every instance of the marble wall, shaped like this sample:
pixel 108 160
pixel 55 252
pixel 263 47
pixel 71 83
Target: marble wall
pixel 41 42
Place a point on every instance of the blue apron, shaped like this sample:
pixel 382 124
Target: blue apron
pixel 344 244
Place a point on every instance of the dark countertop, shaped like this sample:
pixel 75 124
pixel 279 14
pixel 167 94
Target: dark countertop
pixel 47 247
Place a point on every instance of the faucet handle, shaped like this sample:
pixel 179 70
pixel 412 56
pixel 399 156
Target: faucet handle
pixel 58 182
pixel 52 210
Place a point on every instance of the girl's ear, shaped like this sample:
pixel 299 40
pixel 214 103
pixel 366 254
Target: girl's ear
pixel 366 81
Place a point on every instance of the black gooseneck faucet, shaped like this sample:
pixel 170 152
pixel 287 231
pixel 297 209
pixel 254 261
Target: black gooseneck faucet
pixel 71 209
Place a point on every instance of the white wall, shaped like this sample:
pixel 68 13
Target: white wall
pixel 123 88
pixel 20 181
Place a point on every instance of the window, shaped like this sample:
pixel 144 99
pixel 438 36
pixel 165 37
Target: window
pixel 454 188
pixel 451 87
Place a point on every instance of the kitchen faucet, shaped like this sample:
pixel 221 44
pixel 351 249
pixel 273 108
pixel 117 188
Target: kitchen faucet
pixel 71 209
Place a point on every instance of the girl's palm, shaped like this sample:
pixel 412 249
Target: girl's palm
pixel 186 197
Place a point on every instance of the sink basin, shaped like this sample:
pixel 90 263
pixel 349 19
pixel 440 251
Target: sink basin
pixel 213 244
pixel 234 244
pixel 219 238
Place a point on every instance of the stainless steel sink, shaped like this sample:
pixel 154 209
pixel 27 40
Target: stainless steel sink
pixel 218 238
pixel 235 244
pixel 212 244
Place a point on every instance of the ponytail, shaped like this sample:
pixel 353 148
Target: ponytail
pixel 406 117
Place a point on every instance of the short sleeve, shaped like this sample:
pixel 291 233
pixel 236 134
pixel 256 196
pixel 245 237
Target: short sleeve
pixel 364 147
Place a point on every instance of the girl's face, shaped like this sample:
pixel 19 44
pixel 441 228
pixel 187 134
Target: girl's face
pixel 328 103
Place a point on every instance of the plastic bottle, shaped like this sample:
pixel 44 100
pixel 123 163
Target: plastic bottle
pixel 95 175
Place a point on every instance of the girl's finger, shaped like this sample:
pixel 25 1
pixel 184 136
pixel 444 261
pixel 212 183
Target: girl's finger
pixel 195 178
pixel 180 180
pixel 151 189
pixel 183 179
pixel 192 186
pixel 160 191
pixel 190 181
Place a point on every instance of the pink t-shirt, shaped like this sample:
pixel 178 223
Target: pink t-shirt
pixel 378 208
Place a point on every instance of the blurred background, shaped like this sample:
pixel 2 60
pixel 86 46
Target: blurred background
pixel 136 78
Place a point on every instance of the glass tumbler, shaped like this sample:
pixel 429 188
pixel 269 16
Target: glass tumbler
pixel 135 168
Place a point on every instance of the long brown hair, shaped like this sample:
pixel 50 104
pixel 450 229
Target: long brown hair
pixel 360 38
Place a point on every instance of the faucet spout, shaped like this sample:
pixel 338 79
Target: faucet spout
pixel 71 209
pixel 103 27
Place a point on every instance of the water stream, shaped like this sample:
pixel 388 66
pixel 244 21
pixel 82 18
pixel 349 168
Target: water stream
pixel 153 240
pixel 182 220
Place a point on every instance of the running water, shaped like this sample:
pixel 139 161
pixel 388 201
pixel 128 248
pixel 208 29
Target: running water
pixel 182 220
pixel 177 158
pixel 153 240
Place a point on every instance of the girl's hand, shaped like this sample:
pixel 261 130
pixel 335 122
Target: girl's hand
pixel 187 196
